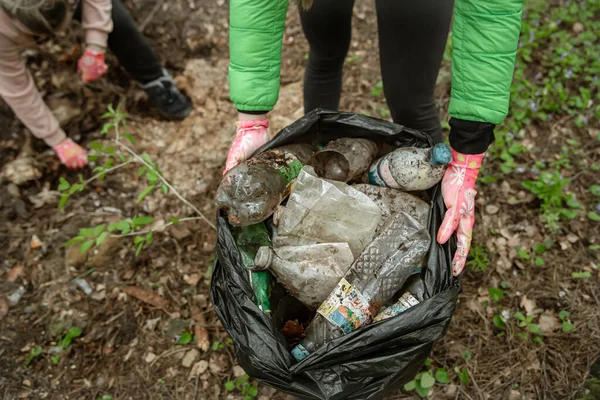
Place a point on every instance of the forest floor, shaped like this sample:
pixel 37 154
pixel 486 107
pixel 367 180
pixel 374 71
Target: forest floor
pixel 528 322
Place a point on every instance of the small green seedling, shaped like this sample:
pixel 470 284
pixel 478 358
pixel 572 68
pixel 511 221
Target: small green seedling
pixel 567 325
pixel 34 353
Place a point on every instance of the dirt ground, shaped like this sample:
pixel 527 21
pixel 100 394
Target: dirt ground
pixel 128 347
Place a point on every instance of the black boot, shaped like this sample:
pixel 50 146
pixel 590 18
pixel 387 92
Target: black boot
pixel 168 100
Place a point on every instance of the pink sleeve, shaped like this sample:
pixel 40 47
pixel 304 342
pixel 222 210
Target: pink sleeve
pixel 96 17
pixel 18 89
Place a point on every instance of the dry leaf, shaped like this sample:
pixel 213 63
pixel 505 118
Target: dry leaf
pixel 238 371
pixel 21 170
pixel 145 295
pixel 528 305
pixel 218 363
pixel 514 395
pixel 202 338
pixel 14 273
pixel 44 197
pixel 150 357
pixel 190 358
pixel 198 369
pixel 548 323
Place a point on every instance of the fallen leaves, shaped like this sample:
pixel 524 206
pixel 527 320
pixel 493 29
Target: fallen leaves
pixel 528 305
pixel 22 170
pixel 14 273
pixel 548 323
pixel 145 296
pixel 3 308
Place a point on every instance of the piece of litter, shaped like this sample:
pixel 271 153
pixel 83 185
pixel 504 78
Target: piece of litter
pixel 16 296
pixel 84 286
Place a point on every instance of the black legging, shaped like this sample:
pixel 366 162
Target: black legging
pixel 412 38
pixel 131 48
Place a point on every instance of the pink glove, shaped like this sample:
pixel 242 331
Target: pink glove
pixel 71 154
pixel 250 136
pixel 91 65
pixel 458 190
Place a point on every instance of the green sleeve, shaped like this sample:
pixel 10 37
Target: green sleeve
pixel 485 37
pixel 255 39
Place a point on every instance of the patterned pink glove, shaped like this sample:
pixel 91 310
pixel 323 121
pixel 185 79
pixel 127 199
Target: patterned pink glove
pixel 91 65
pixel 250 136
pixel 71 154
pixel 458 190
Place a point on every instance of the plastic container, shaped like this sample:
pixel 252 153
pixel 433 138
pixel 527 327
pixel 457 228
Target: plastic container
pixel 252 190
pixel 310 272
pixel 344 159
pixel 328 212
pixel 411 168
pixel 372 281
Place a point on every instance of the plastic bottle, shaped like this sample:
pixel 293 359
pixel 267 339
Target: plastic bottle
pixel 251 191
pixel 249 239
pixel 411 168
pixel 309 273
pixel 372 281
pixel 391 201
pixel 328 212
pixel 344 159
pixel 412 294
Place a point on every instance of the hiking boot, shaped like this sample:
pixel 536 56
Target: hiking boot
pixel 168 100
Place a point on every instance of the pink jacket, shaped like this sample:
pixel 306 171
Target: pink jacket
pixel 17 87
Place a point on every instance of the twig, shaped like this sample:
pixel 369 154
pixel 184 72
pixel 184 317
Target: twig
pixel 163 180
pixel 107 171
pixel 151 15
pixel 139 233
pixel 166 354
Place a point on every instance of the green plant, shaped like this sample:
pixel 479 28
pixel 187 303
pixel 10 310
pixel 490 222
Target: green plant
pixel 526 323
pixel 581 275
pixel 118 154
pixel 33 353
pixel 105 397
pixel 377 89
pixel 496 294
pixel 479 259
pixel 249 390
pixel 567 325
pixel 556 203
pixel 216 346
pixel 185 338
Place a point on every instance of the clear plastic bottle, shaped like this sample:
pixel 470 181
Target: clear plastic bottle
pixel 344 159
pixel 328 212
pixel 372 281
pixel 392 201
pixel 251 191
pixel 411 168
pixel 249 239
pixel 310 272
pixel 412 294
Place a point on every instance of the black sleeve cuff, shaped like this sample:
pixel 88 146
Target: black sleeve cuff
pixel 470 137
pixel 253 112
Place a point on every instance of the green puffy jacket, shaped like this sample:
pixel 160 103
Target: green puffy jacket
pixel 485 36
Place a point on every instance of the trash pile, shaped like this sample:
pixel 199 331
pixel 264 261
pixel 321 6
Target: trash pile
pixel 326 229
pixel 343 229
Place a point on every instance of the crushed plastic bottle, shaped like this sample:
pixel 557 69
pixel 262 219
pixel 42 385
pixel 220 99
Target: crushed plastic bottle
pixel 252 190
pixel 392 201
pixel 344 159
pixel 249 239
pixel 411 168
pixel 412 294
pixel 372 281
pixel 328 212
pixel 310 272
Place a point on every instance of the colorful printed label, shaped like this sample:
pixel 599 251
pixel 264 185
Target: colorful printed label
pixel 290 171
pixel 381 175
pixel 346 307
pixel 300 353
pixel 406 301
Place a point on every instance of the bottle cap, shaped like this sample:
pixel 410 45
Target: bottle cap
pixel 441 154
pixel 264 258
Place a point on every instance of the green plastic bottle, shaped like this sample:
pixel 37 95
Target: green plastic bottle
pixel 249 239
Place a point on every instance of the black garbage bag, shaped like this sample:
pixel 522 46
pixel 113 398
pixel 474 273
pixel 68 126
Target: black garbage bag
pixel 365 364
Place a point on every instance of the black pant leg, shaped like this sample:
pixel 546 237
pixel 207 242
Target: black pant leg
pixel 412 39
pixel 328 29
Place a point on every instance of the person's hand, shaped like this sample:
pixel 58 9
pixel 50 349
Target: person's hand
pixel 250 136
pixel 91 65
pixel 458 190
pixel 71 154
